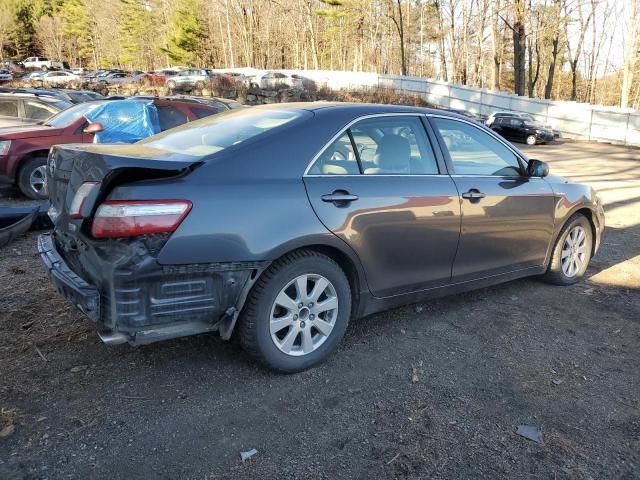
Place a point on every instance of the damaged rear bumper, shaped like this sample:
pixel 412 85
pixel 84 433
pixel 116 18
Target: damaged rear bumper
pixel 84 296
pixel 140 301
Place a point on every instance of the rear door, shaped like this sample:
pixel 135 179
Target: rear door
pixel 380 187
pixel 507 217
pixel 519 133
pixel 9 112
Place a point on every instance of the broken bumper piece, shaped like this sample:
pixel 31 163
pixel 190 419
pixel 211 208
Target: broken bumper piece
pixel 71 286
pixel 143 302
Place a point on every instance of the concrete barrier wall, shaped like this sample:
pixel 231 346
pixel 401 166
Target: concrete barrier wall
pixel 581 121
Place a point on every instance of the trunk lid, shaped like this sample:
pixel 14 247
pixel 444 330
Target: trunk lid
pixel 69 166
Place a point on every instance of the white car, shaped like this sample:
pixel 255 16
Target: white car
pixel 273 79
pixel 42 63
pixel 59 77
pixel 5 76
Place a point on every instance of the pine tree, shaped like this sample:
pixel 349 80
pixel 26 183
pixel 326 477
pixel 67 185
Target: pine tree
pixel 78 29
pixel 187 32
pixel 137 29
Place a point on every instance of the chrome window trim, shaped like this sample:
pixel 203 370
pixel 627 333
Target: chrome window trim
pixel 344 129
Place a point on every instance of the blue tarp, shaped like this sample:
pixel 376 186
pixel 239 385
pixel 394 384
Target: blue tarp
pixel 125 121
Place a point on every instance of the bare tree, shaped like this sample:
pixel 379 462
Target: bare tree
pixel 631 52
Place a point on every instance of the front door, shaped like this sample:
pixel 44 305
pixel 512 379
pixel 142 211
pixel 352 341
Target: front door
pixel 379 188
pixel 507 217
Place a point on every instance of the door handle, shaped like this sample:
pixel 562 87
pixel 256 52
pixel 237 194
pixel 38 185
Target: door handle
pixel 473 194
pixel 339 197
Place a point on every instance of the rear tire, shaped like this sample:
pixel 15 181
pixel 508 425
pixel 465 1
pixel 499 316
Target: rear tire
pixel 171 85
pixel 297 312
pixel 32 177
pixel 531 140
pixel 571 252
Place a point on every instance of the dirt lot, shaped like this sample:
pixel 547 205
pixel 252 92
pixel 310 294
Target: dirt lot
pixel 427 391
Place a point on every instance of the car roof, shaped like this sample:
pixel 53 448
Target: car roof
pixel 48 98
pixel 358 108
pixel 510 114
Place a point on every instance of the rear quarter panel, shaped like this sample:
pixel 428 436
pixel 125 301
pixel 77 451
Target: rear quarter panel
pixel 249 202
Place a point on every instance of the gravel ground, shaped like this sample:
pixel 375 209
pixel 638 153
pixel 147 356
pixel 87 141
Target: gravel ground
pixel 434 390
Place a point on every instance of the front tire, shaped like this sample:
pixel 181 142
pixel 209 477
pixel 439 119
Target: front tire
pixel 32 178
pixel 531 140
pixel 297 312
pixel 571 252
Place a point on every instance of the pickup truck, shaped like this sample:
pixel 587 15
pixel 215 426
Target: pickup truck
pixel 41 63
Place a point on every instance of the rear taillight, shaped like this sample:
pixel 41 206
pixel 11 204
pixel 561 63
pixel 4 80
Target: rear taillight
pixel 118 218
pixel 75 210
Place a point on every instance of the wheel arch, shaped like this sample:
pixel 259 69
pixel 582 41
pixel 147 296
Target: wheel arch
pixel 588 213
pixel 19 165
pixel 349 264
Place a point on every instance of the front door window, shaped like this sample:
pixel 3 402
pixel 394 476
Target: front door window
pixel 474 152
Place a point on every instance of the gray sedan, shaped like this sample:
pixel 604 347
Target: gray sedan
pixel 280 224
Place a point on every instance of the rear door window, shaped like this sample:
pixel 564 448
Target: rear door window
pixel 8 108
pixel 170 117
pixel 394 145
pixel 339 158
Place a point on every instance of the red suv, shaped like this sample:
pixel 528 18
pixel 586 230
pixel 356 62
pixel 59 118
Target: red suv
pixel 24 150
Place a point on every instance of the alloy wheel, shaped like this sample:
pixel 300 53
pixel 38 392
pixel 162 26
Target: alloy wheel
pixel 574 251
pixel 38 178
pixel 303 314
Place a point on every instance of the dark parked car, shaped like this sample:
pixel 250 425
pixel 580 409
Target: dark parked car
pixel 66 94
pixel 284 222
pixel 24 150
pixel 520 130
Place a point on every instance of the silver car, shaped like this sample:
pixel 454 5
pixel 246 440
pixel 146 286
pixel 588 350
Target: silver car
pixel 193 77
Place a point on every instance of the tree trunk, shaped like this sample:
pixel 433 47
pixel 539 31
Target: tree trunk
pixel 548 88
pixel 400 27
pixel 519 61
pixel 631 54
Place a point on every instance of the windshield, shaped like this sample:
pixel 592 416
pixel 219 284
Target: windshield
pixel 213 134
pixel 70 115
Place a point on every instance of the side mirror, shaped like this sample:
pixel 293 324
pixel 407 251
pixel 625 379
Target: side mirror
pixel 538 168
pixel 94 128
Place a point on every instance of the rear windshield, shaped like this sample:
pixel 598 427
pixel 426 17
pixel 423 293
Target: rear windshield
pixel 213 134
